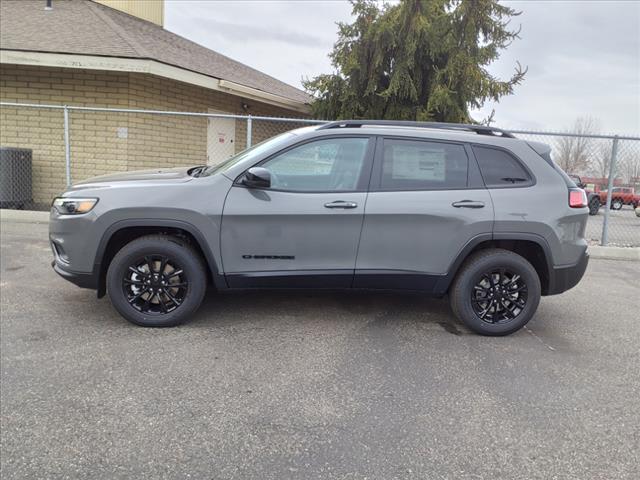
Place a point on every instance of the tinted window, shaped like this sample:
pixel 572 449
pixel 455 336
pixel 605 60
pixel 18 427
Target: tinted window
pixel 331 165
pixel 419 165
pixel 500 168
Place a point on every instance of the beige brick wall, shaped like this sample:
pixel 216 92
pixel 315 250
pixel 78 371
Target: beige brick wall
pixel 153 140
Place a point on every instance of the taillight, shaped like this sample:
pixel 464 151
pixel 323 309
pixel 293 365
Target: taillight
pixel 577 198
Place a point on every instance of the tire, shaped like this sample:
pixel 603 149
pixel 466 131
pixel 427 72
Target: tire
pixel 616 204
pixel 475 279
pixel 594 206
pixel 136 273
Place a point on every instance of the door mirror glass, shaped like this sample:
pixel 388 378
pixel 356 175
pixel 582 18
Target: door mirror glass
pixel 257 177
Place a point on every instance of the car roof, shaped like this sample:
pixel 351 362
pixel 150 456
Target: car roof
pixel 467 127
pixel 454 135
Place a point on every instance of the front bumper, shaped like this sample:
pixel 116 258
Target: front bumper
pixel 82 280
pixel 562 279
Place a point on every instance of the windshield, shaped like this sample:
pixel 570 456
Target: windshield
pixel 254 151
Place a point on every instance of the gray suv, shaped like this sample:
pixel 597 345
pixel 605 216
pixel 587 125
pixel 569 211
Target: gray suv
pixel 464 210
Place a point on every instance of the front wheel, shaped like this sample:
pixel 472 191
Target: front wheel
pixel 496 292
pixel 156 281
pixel 594 206
pixel 616 204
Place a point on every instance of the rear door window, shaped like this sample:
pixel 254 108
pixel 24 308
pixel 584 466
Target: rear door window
pixel 499 168
pixel 423 165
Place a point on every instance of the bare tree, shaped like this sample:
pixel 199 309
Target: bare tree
pixel 574 153
pixel 629 167
pixel 601 161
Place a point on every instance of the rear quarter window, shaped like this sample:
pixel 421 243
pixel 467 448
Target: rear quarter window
pixel 500 169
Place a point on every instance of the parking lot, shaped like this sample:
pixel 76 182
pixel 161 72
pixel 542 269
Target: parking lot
pixel 624 227
pixel 314 385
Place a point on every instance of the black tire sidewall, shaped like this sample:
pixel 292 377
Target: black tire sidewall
pixel 183 255
pixel 469 277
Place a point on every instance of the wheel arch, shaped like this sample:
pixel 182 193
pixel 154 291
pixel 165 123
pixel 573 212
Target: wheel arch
pixel 124 231
pixel 532 247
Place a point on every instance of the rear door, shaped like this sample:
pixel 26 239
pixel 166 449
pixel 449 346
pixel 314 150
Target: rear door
pixel 304 230
pixel 426 202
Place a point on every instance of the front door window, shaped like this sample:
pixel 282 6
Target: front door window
pixel 330 165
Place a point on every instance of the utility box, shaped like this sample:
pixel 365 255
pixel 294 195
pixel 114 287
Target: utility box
pixel 15 177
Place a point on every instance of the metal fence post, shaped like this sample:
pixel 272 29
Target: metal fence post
pixel 612 168
pixel 249 127
pixel 67 146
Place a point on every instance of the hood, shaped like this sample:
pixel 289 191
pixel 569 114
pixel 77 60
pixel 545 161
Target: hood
pixel 164 175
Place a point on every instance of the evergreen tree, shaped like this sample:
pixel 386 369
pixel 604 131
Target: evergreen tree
pixel 416 60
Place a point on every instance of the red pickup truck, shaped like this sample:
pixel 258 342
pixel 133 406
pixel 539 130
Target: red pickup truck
pixel 620 196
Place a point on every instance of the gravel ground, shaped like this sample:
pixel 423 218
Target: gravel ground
pixel 314 385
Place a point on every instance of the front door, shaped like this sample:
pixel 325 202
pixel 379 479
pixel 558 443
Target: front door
pixel 426 202
pixel 304 230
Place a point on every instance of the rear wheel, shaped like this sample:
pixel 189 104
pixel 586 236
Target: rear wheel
pixel 616 204
pixel 594 206
pixel 156 281
pixel 496 292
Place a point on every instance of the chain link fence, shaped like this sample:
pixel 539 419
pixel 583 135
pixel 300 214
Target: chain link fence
pixel 602 164
pixel 46 148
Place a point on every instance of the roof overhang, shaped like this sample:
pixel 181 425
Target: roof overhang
pixel 152 67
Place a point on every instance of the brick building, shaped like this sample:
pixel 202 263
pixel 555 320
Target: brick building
pixel 89 53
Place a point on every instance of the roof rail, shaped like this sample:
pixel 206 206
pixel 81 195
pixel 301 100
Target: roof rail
pixel 479 129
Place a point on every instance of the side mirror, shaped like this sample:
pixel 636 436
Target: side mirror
pixel 257 177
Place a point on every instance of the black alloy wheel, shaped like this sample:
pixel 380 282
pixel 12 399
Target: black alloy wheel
pixel 155 285
pixel 499 296
pixel 157 281
pixel 496 292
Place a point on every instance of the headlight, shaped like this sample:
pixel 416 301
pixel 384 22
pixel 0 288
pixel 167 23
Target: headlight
pixel 74 206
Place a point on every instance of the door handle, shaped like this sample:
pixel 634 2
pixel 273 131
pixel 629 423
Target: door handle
pixel 340 204
pixel 468 204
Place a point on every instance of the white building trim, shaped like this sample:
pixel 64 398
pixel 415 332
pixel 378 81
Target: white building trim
pixel 152 67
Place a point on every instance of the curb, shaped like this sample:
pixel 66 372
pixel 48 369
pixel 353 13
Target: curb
pixel 615 253
pixel 23 216
pixel 595 251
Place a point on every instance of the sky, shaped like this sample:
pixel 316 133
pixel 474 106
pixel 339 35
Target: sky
pixel 583 56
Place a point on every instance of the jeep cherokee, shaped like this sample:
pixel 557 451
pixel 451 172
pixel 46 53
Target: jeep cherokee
pixel 443 209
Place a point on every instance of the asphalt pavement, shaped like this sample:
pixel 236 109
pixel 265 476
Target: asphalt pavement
pixel 305 385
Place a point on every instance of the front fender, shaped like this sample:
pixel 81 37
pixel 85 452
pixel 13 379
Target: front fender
pixel 204 229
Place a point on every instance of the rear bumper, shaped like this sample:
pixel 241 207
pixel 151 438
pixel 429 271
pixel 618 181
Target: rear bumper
pixel 82 280
pixel 562 279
